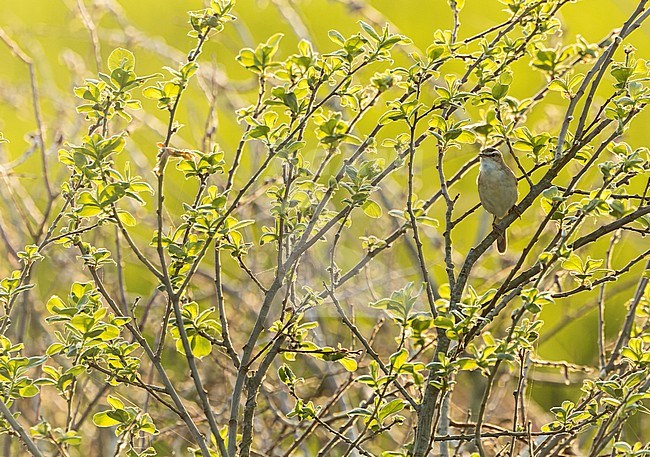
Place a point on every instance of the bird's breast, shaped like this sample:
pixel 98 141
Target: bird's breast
pixel 497 189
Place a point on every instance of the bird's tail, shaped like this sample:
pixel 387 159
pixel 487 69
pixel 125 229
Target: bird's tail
pixel 502 243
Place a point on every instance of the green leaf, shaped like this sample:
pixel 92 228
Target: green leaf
pixel 369 30
pixel 444 322
pixel 336 37
pixel 152 92
pixel 71 438
pixel 558 85
pixel 391 407
pixel 115 402
pixel 82 322
pixel 200 346
pixel 573 263
pixel 28 391
pixel 55 304
pixel 398 359
pixel 499 91
pixel 348 363
pixel 121 58
pixel 359 412
pixel 372 209
pixel 54 348
pixel 104 420
pixel 89 210
pixel 126 218
pixel 467 364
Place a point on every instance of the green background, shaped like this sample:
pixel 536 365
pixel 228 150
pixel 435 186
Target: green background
pixel 52 33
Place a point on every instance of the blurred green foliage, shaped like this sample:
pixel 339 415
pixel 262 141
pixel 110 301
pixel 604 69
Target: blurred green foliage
pixel 54 34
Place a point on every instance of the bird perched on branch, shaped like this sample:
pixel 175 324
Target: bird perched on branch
pixel 497 189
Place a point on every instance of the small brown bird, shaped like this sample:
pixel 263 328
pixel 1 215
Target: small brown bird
pixel 497 189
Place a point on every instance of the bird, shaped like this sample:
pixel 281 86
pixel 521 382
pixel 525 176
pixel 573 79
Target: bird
pixel 497 189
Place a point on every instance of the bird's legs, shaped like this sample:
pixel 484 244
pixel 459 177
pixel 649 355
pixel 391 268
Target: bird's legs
pixel 515 209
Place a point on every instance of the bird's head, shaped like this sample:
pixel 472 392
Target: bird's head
pixel 491 154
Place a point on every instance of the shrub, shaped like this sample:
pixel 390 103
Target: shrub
pixel 247 298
